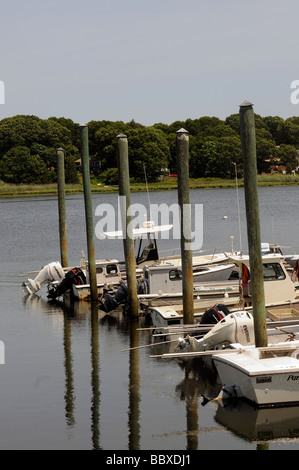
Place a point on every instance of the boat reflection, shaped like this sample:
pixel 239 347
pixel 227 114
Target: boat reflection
pixel 200 384
pixel 258 425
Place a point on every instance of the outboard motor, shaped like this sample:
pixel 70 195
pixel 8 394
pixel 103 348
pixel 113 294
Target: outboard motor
pixel 73 277
pixel 111 302
pixel 237 327
pixel 214 314
pixel 50 273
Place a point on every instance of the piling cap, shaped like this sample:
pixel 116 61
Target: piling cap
pixel 245 104
pixel 83 125
pixel 182 131
pixel 121 136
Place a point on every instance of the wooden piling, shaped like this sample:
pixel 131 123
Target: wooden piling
pixel 128 242
pixel 182 155
pixel 88 211
pixel 247 130
pixel 61 208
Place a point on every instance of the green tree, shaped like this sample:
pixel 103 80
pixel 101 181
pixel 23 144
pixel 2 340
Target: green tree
pixel 105 145
pixel 290 132
pixel 71 154
pixel 288 156
pixel 148 148
pixel 47 154
pixel 275 126
pixel 202 158
pixel 265 152
pixel 18 166
pixel 22 130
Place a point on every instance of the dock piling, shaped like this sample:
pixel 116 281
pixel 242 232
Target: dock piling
pixel 248 141
pixel 182 155
pixel 61 207
pixel 88 212
pixel 128 242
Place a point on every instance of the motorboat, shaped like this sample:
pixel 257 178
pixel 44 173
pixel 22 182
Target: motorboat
pixel 52 272
pixel 164 283
pixel 265 376
pixel 278 286
pixel 108 271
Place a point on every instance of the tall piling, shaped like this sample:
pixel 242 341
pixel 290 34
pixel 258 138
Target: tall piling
pixel 248 141
pixel 182 156
pixel 125 203
pixel 84 149
pixel 61 207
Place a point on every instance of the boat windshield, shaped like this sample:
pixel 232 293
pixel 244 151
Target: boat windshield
pixel 273 271
pixel 175 274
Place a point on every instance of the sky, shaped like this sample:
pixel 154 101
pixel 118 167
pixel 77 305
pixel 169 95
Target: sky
pixel 157 61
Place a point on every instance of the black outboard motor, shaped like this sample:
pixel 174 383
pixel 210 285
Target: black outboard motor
pixel 214 314
pixel 111 302
pixel 73 277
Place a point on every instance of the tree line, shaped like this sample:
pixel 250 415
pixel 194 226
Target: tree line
pixel 28 147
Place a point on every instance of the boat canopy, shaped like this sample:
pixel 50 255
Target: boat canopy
pixel 147 229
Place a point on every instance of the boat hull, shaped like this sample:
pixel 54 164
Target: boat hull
pixel 268 381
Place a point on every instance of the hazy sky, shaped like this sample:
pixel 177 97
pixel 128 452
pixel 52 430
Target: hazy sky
pixel 151 61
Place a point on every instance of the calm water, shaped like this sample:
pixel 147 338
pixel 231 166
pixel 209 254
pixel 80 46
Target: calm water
pixel 67 384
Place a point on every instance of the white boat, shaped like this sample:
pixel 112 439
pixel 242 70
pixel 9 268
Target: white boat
pixel 108 271
pixel 167 278
pixel 278 286
pixel 200 260
pixel 280 292
pixel 167 316
pixel 265 376
pixel 291 259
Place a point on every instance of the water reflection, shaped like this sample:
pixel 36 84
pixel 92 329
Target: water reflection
pixel 199 387
pixel 259 425
pixel 95 378
pixel 74 310
pixel 134 388
pixel 69 378
pixel 200 381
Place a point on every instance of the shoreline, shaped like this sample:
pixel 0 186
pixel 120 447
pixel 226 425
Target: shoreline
pixel 12 191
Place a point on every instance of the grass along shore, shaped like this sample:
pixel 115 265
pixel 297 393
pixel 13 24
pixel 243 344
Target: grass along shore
pixel 23 190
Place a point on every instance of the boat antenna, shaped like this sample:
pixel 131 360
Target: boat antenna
pixel 273 239
pixel 148 197
pixel 240 236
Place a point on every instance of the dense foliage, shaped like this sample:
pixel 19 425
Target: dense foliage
pixel 28 147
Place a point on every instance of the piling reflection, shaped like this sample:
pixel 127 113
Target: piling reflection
pixel 259 426
pixel 199 386
pixel 134 388
pixel 95 378
pixel 73 311
pixel 200 381
pixel 69 378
